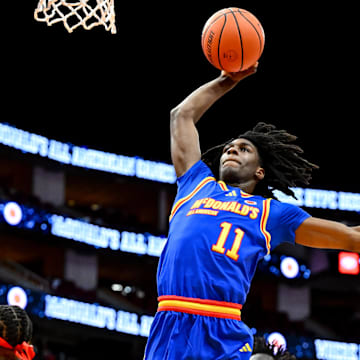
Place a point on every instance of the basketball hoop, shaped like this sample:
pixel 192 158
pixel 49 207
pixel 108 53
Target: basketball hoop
pixel 75 13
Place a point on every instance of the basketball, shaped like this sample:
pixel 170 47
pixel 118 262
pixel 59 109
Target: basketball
pixel 232 39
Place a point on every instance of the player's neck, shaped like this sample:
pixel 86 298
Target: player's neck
pixel 248 186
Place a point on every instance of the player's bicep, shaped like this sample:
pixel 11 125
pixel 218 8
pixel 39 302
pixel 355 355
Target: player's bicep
pixel 185 145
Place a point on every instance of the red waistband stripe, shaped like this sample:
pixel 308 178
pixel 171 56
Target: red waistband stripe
pixel 204 307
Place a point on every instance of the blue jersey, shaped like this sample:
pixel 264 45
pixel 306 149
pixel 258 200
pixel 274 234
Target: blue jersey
pixel 216 237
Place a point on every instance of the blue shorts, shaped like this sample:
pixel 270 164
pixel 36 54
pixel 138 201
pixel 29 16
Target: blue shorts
pixel 182 336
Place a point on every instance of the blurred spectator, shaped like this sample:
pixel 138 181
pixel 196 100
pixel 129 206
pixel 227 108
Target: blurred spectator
pixel 265 351
pixel 15 334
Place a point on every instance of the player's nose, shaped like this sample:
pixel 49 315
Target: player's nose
pixel 232 151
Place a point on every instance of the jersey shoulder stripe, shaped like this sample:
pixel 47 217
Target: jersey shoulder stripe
pixel 185 199
pixel 263 223
pixel 223 185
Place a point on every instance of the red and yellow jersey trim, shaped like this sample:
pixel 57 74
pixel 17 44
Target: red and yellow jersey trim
pixel 245 195
pixel 204 307
pixel 223 185
pixel 185 199
pixel 263 222
pixel 225 188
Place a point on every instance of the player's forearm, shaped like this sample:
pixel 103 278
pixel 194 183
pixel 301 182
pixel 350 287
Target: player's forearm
pixel 356 238
pixel 198 102
pixel 325 234
pixel 349 239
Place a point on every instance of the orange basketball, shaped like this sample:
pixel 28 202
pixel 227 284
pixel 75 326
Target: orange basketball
pixel 232 39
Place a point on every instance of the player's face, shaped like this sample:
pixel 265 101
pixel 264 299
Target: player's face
pixel 240 163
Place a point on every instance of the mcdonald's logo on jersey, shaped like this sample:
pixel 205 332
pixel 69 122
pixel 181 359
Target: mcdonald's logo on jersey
pixel 231 206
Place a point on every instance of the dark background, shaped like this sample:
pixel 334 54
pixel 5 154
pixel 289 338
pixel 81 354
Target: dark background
pixel 114 92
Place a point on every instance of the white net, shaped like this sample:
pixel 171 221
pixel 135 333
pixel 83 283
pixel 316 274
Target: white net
pixel 75 13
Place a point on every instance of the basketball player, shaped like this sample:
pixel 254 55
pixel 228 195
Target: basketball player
pixel 15 334
pixel 223 221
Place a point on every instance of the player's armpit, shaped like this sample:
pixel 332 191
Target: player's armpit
pixel 326 234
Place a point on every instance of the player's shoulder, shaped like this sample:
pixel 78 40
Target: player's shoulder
pixel 281 205
pixel 197 167
pixel 286 212
pixel 195 174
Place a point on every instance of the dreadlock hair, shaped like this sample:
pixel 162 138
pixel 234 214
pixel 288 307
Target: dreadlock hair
pixel 261 346
pixel 15 325
pixel 281 160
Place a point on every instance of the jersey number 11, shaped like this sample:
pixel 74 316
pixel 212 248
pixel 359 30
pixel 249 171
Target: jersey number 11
pixel 219 246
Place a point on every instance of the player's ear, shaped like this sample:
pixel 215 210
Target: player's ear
pixel 260 173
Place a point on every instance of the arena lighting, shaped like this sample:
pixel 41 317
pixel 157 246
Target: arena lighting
pixel 117 287
pixel 336 350
pixel 99 236
pixel 97 316
pixel 278 340
pixel 289 267
pixel 151 170
pixel 286 266
pixel 87 158
pixel 322 199
pixel 12 213
pixel 74 311
pixel 48 306
pixel 125 241
pixel 84 232
pixel 349 263
pixel 17 296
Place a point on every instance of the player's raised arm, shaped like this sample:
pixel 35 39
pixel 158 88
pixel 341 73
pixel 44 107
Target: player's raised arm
pixel 185 146
pixel 326 234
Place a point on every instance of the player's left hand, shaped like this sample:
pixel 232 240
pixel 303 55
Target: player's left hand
pixel 240 75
